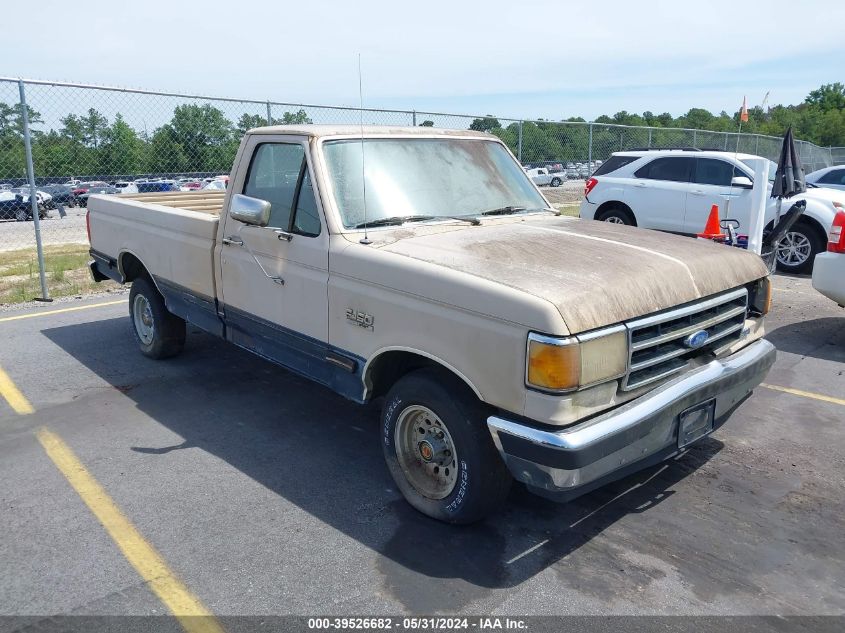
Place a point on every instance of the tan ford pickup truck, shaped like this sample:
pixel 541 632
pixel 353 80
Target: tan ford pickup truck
pixel 424 267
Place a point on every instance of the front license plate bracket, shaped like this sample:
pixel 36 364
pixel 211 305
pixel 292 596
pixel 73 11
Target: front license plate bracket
pixel 696 422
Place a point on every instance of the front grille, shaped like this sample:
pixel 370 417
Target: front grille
pixel 657 343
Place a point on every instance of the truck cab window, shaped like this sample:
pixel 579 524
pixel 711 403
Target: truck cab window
pixel 273 175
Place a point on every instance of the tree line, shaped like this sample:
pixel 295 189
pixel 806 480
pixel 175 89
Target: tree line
pixel 198 138
pixel 819 119
pixel 201 138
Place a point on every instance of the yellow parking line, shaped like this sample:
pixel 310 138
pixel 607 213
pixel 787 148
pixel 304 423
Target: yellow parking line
pixel 9 390
pixel 48 312
pixel 185 606
pixel 805 394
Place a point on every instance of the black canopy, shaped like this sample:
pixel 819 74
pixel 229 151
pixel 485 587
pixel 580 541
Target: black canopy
pixel 789 177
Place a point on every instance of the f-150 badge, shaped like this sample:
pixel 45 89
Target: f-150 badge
pixel 361 319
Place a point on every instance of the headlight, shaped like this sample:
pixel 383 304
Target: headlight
pixel 760 296
pixel 567 364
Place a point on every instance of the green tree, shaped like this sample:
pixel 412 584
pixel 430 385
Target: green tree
pixel 300 117
pixel 827 97
pixel 121 151
pixel 485 124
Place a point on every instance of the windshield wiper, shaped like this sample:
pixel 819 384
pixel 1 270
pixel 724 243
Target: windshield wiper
pixel 401 219
pixel 508 210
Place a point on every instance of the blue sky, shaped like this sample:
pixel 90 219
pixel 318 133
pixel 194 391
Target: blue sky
pixel 524 59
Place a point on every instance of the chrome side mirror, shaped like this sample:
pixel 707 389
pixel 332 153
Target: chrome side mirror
pixel 249 210
pixel 743 182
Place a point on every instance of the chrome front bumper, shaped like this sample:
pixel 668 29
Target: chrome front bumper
pixel 563 464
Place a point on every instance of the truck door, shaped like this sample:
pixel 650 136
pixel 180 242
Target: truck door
pixel 711 184
pixel 274 279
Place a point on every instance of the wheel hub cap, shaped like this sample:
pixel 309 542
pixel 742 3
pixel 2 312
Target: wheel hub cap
pixel 426 452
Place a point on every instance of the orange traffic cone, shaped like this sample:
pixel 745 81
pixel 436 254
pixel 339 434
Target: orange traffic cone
pixel 712 230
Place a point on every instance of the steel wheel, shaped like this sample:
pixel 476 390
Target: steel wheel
pixel 142 318
pixel 426 452
pixel 794 249
pixel 614 219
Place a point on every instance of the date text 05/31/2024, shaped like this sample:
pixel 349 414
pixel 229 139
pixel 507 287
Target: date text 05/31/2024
pixel 417 623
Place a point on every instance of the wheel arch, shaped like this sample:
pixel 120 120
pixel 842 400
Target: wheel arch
pixel 389 364
pixel 615 204
pixel 130 267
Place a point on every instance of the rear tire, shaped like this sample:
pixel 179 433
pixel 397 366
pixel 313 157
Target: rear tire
pixel 159 333
pixel 797 251
pixel 21 215
pixel 555 182
pixel 617 215
pixel 431 414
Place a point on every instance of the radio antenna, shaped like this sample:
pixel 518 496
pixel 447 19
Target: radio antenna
pixel 366 239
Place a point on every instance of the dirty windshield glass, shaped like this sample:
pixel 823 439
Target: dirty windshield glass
pixel 425 177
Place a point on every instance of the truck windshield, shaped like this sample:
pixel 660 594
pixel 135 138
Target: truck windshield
pixel 426 177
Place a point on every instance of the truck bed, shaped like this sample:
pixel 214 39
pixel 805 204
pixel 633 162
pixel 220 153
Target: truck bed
pixel 173 233
pixel 210 202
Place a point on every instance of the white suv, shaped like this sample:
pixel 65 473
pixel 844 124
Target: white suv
pixel 673 190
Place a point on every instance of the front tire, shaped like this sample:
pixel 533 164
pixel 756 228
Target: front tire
pixel 617 215
pixel 21 215
pixel 555 182
pixel 797 250
pixel 438 448
pixel 159 333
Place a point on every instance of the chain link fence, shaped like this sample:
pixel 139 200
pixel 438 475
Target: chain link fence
pixel 105 140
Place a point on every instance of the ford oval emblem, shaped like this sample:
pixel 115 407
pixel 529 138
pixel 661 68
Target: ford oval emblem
pixel 696 339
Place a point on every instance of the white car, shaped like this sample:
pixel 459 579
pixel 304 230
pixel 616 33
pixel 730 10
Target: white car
pixel 542 177
pixel 674 190
pixel 829 269
pixel 126 186
pixel 832 177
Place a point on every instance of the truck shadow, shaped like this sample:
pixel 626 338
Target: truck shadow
pixel 300 440
pixel 822 338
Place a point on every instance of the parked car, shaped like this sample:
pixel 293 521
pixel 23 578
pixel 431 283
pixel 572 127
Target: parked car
pixel 218 184
pixel 674 190
pixel 108 190
pixel 125 186
pixel 542 177
pixel 61 194
pixel 45 200
pixel 832 177
pixel 191 185
pixel 829 269
pixel 505 340
pixel 153 186
pixel 15 206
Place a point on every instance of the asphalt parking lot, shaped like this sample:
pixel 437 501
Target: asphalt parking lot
pixel 262 493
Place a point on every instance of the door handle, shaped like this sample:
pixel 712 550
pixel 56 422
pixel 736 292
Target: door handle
pixel 640 184
pixel 697 192
pixel 232 241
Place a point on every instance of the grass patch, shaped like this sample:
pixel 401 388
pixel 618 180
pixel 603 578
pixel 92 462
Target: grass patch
pixel 67 274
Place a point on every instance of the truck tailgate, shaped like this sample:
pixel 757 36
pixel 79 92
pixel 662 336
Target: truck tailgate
pixel 174 243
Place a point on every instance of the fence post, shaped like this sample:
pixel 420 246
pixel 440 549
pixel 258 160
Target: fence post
pixel 33 198
pixel 649 138
pixel 726 141
pixel 694 138
pixel 757 144
pixel 269 115
pixel 519 143
pixel 414 118
pixel 590 147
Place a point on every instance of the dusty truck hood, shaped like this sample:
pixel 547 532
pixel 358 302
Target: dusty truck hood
pixel 594 273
